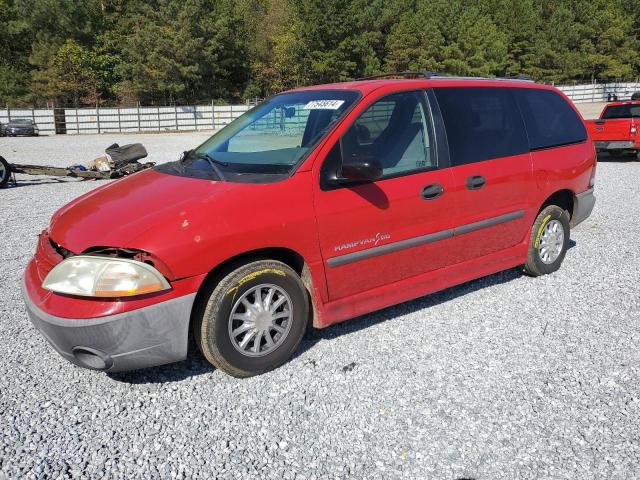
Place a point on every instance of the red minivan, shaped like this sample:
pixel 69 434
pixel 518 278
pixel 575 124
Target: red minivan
pixel 318 205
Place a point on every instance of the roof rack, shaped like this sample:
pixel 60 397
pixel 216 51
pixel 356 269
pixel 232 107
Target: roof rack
pixel 436 76
pixel 406 74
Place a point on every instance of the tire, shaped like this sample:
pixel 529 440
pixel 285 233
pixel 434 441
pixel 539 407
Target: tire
pixel 5 172
pixel 212 324
pixel 551 219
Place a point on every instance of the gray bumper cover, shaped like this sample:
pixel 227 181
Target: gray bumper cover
pixel 141 338
pixel 582 206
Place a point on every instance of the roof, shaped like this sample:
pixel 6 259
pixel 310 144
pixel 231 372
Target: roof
pixel 367 86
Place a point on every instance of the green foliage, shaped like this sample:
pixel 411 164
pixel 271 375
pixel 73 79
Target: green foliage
pixel 87 52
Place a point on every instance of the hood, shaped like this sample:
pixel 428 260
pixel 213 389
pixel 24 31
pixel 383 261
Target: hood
pixel 189 224
pixel 120 213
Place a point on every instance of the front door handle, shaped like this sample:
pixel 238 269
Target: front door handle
pixel 476 182
pixel 431 192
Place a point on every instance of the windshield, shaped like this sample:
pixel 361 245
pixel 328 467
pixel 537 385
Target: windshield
pixel 622 111
pixel 22 121
pixel 268 140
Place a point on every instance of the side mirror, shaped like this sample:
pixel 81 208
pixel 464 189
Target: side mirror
pixel 361 168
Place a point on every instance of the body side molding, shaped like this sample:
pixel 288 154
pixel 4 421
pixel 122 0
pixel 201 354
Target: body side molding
pixel 422 240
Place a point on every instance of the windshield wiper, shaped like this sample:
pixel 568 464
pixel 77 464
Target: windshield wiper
pixel 213 162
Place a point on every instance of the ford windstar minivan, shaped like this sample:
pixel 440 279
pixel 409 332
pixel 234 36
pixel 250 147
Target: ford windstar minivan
pixel 316 206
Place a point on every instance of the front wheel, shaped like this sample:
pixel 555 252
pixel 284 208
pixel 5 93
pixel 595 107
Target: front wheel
pixel 549 241
pixel 253 320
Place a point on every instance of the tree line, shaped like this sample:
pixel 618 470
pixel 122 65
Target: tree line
pixel 120 52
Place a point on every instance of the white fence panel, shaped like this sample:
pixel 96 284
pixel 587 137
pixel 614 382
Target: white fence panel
pixel 213 117
pixel 149 119
pixel 599 92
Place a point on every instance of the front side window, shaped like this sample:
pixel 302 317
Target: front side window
pixel 270 139
pixel 482 123
pixel 396 132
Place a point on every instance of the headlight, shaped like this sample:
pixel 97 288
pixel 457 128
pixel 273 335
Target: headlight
pixel 90 276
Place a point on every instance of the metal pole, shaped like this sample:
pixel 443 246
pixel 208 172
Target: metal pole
pixel 195 119
pixel 119 122
pixel 98 117
pixel 158 109
pixel 77 122
pixel 138 116
pixel 175 115
pixel 213 117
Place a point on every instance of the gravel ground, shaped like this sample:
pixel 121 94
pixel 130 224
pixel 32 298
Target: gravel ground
pixel 502 378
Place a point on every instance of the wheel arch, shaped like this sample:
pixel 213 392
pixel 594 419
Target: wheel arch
pixel 285 255
pixel 564 198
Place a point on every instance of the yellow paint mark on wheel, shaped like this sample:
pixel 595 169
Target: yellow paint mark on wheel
pixel 252 275
pixel 539 234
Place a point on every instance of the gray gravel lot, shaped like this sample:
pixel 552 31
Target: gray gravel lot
pixel 502 378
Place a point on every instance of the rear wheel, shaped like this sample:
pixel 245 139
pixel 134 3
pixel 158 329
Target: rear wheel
pixel 253 320
pixel 549 241
pixel 5 172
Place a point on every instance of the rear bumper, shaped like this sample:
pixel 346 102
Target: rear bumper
pixel 583 204
pixel 146 337
pixel 616 145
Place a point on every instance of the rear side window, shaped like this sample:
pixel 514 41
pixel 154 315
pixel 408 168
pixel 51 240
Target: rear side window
pixel 629 110
pixel 549 119
pixel 481 123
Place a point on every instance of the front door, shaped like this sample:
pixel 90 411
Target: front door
pixel 377 233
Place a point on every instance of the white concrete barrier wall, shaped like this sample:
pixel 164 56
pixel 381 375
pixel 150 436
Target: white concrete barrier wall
pixel 213 117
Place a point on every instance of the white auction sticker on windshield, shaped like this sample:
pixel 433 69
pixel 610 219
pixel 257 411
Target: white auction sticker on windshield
pixel 323 105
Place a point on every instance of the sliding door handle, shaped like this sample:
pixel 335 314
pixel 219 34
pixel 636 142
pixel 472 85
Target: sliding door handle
pixel 476 182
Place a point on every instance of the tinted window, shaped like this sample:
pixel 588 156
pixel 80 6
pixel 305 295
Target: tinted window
pixel 396 131
pixel 550 120
pixel 481 123
pixel 622 111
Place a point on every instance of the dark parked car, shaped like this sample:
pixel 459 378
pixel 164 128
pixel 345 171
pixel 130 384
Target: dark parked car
pixel 21 126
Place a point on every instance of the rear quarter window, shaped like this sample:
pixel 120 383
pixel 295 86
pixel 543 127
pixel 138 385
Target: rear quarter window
pixel 549 119
pixel 482 123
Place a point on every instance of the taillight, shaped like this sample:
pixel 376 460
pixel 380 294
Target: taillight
pixel 633 130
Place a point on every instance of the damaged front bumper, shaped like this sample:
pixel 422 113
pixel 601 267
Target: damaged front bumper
pixel 141 338
pixel 152 335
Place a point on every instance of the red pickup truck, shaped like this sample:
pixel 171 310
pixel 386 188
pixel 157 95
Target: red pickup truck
pixel 616 131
